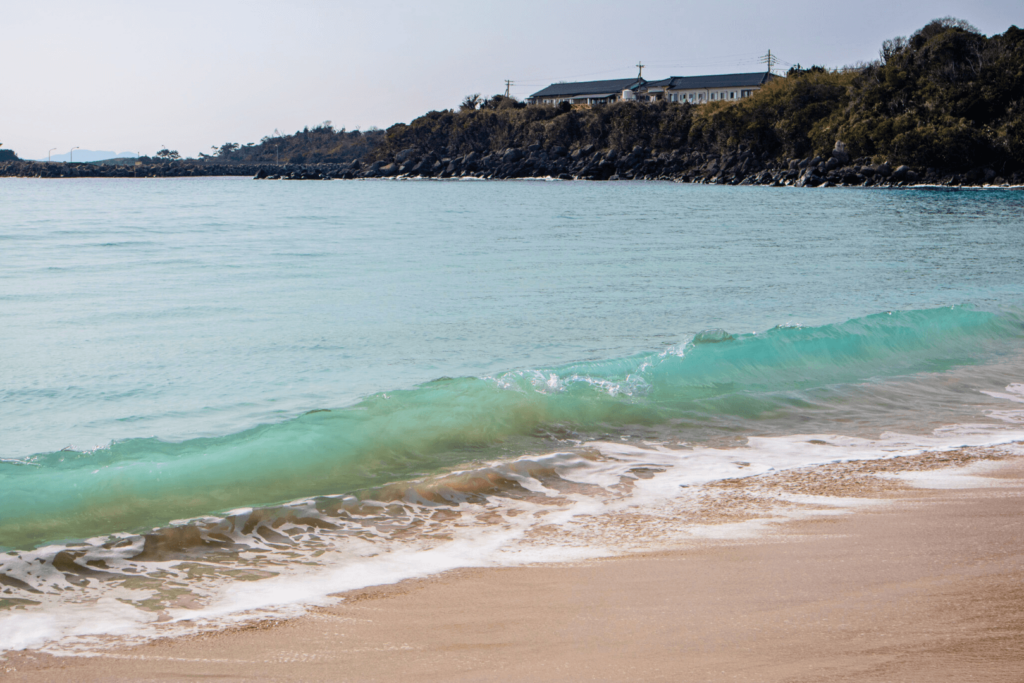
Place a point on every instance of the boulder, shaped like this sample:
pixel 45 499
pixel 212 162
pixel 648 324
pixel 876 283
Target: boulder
pixel 901 172
pixel 389 170
pixel 260 175
pixel 404 155
pixel 511 156
pixel 840 154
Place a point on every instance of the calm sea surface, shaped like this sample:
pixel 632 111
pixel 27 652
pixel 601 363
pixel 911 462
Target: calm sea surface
pixel 185 363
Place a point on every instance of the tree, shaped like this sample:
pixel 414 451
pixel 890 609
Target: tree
pixel 168 154
pixel 470 103
pixel 227 148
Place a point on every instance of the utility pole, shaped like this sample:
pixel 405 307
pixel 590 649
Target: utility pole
pixel 640 76
pixel 769 60
pixel 508 85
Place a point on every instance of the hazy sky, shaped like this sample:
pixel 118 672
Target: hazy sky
pixel 134 76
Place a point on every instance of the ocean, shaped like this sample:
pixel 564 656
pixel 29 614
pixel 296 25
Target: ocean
pixel 223 400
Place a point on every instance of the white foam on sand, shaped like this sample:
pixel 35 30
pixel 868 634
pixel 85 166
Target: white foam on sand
pixel 503 531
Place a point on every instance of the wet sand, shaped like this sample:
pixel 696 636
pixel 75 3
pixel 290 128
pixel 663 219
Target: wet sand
pixel 927 586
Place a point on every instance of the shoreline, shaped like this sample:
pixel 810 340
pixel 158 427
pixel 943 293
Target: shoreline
pixel 771 176
pixel 496 623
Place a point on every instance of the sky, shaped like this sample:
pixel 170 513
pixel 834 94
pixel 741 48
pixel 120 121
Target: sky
pixel 139 76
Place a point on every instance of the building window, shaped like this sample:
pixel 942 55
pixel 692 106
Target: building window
pixel 732 95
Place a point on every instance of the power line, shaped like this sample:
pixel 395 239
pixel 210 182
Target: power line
pixel 769 60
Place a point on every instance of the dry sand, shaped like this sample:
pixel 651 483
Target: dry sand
pixel 927 587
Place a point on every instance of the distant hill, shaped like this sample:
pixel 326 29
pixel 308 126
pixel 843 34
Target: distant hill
pixel 84 155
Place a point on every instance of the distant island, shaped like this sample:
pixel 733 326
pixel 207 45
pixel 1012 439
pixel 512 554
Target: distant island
pixel 944 106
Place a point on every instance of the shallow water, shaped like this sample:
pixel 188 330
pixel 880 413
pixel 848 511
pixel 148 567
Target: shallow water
pixel 212 381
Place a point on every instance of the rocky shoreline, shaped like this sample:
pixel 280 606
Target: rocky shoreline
pixel 740 168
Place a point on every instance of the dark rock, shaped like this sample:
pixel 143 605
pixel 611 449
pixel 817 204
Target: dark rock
pixel 404 155
pixel 512 155
pixel 260 174
pixel 389 170
pixel 840 154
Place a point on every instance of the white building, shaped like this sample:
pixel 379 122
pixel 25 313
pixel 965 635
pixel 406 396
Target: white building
pixel 694 89
pixel 586 92
pixel 700 89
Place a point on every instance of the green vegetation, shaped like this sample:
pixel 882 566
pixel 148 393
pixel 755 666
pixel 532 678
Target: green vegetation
pixel 321 144
pixel 947 98
pixel 7 154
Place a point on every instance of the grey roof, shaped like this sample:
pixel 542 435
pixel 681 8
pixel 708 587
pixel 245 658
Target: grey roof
pixel 719 81
pixel 586 88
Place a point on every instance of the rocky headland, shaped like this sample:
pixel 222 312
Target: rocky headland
pixel 942 107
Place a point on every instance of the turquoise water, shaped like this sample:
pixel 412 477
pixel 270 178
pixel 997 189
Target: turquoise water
pixel 220 396
pixel 173 336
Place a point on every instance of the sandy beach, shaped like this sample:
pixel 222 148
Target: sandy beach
pixel 925 585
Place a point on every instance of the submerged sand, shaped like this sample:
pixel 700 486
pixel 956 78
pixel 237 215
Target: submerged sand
pixel 927 586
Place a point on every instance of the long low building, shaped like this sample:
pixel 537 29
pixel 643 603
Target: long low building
pixel 586 92
pixel 695 89
pixel 698 89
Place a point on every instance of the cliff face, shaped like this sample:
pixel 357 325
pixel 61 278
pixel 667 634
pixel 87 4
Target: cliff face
pixel 947 103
